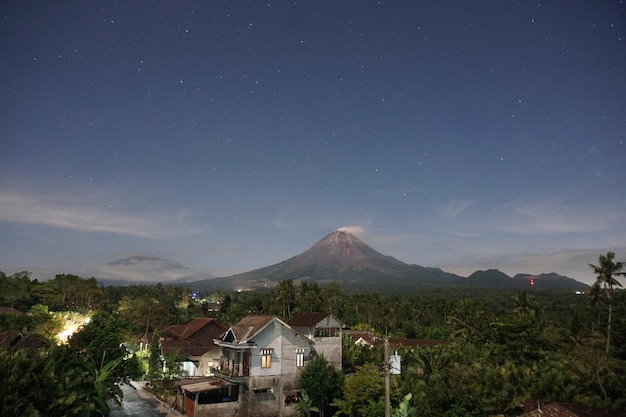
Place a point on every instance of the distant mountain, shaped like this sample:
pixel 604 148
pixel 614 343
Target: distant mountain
pixel 492 278
pixel 551 280
pixel 340 256
pixel 488 278
pixel 143 269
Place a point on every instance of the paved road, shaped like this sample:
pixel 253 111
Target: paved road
pixel 139 403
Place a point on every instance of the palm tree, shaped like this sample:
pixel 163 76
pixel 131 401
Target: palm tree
pixel 309 297
pixel 524 304
pixel 606 271
pixel 595 301
pixel 285 293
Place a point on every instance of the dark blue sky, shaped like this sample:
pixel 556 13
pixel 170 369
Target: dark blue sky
pixel 232 135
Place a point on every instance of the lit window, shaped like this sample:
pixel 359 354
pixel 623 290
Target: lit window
pixel 266 358
pixel 299 357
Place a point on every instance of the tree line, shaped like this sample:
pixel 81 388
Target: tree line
pixel 498 348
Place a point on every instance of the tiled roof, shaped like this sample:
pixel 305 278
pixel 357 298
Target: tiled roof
pixel 249 326
pixel 194 338
pixel 551 410
pixel 10 310
pixel 371 339
pixel 174 330
pixel 16 340
pixel 365 335
pixel 401 341
pixel 31 341
pixel 8 338
pixel 307 319
pixel 195 325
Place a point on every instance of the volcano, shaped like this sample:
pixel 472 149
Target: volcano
pixel 342 257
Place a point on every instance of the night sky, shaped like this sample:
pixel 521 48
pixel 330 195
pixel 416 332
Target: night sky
pixel 231 135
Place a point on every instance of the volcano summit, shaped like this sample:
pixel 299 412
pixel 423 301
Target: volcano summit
pixel 340 256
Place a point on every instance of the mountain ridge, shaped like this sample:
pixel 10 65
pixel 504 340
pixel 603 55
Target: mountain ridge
pixel 342 257
pixel 338 257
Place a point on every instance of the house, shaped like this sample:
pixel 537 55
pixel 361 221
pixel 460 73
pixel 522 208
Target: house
pixel 206 396
pixel 367 338
pixel 195 344
pixel 325 330
pixel 551 410
pixel 260 364
pixel 15 340
pixel 11 310
pixel 398 342
pixel 363 337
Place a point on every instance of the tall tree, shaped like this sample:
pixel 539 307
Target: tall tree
pixel 15 291
pixel 322 382
pixel 335 296
pixel 102 340
pixel 155 363
pixel 285 293
pixel 524 304
pixel 309 297
pixel 606 272
pixel 363 393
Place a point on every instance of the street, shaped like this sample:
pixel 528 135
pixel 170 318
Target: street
pixel 139 403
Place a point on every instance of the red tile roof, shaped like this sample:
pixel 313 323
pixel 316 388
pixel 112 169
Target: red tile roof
pixel 307 319
pixel 249 326
pixel 16 340
pixel 194 338
pixel 551 410
pixel 10 310
pixel 366 335
pixel 400 342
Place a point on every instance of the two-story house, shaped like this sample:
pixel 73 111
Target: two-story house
pixel 325 330
pixel 264 356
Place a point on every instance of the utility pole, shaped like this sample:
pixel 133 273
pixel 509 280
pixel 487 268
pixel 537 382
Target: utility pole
pixel 387 389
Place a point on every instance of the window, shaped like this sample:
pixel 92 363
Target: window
pixel 266 358
pixel 299 357
pixel 326 332
pixel 264 394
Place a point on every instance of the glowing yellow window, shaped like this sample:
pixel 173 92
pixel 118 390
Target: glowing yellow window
pixel 299 357
pixel 266 358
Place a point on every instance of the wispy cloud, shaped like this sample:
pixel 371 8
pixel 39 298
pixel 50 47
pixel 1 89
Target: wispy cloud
pixel 84 214
pixel 555 216
pixel 455 208
pixel 461 234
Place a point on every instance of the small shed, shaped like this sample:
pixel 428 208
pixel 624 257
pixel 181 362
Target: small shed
pixel 195 396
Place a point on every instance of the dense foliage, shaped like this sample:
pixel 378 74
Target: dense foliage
pixel 497 348
pixel 321 382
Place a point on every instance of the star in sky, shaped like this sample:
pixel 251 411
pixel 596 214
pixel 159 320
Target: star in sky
pixel 232 136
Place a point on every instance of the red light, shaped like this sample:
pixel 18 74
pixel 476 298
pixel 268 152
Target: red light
pixel 532 282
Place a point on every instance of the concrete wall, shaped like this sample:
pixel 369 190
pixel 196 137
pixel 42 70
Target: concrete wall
pixel 330 347
pixel 284 343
